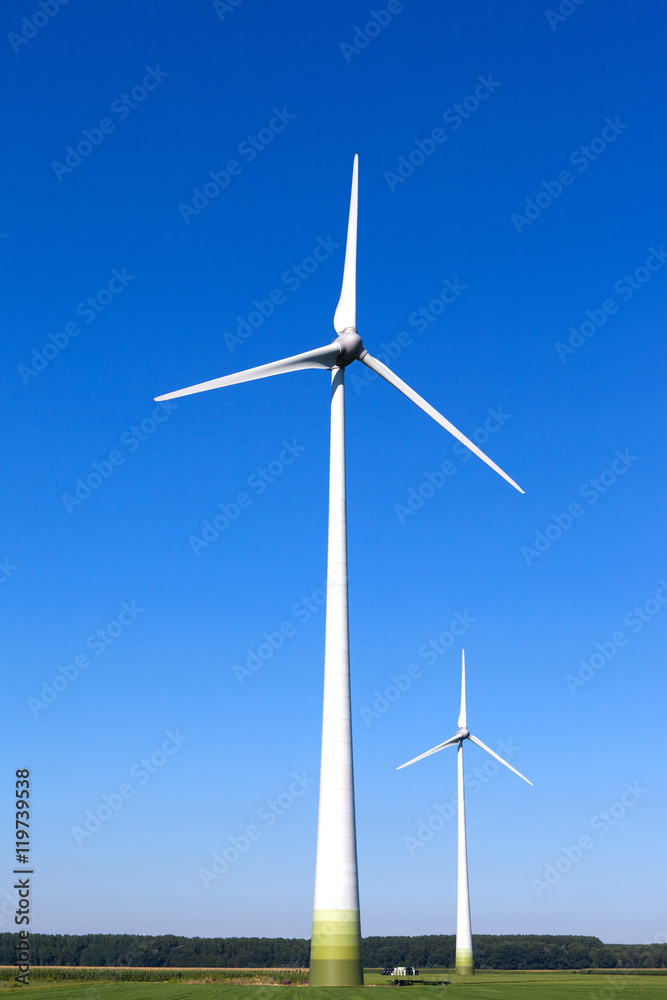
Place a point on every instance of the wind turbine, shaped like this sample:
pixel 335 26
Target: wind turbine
pixel 336 941
pixel 464 957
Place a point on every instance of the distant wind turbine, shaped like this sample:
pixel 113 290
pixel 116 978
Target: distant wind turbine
pixel 336 943
pixel 464 956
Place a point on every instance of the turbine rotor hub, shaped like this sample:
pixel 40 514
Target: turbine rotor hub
pixel 463 733
pixel 351 346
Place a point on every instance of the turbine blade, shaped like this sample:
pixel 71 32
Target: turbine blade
pixel 346 310
pixel 440 746
pixel 462 713
pixel 488 750
pixel 394 380
pixel 321 357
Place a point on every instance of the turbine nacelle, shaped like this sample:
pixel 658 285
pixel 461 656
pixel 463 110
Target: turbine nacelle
pixel 351 347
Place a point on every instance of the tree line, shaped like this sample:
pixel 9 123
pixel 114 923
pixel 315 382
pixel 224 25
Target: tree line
pixel 492 951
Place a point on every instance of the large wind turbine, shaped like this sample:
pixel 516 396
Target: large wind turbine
pixel 336 942
pixel 464 957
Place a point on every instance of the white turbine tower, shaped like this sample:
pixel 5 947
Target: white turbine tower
pixel 336 941
pixel 464 957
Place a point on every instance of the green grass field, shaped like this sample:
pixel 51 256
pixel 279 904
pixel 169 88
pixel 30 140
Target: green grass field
pixel 484 986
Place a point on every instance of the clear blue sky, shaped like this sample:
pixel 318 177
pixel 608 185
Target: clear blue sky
pixel 541 200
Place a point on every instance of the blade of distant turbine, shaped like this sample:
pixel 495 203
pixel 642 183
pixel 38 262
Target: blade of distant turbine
pixel 488 750
pixel 394 380
pixel 321 357
pixel 346 310
pixel 462 714
pixel 440 746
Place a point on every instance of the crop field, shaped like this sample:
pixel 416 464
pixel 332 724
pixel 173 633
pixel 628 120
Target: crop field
pixel 483 986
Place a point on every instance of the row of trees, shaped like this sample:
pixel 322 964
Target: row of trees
pixel 515 951
pixel 492 951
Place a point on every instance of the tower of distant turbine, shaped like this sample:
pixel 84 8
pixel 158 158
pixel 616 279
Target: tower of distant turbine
pixel 336 942
pixel 464 956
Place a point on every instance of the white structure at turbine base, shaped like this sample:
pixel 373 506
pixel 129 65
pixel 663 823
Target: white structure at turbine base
pixel 464 955
pixel 336 944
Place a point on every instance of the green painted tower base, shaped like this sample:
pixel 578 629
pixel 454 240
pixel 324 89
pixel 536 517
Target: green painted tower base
pixel 335 951
pixel 464 963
